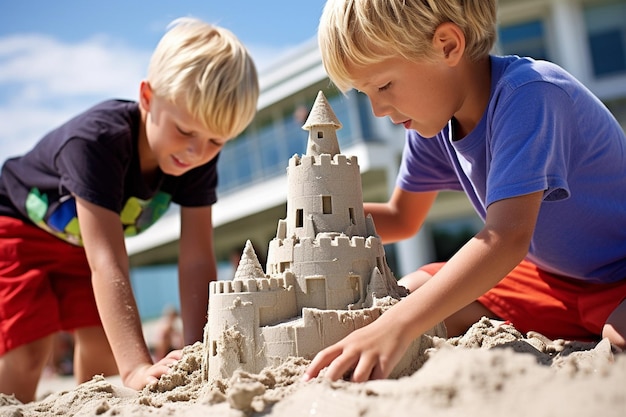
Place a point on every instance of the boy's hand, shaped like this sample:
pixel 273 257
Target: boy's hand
pixel 370 352
pixel 146 373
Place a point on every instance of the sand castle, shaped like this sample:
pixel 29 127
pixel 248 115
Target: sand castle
pixel 326 272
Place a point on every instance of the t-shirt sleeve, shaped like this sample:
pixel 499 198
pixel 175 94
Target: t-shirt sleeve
pixel 93 172
pixel 426 165
pixel 530 143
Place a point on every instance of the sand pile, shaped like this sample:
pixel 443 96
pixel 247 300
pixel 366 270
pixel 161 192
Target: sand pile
pixel 491 370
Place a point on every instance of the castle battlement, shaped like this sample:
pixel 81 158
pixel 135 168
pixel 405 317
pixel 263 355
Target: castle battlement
pixel 324 161
pixel 247 285
pixel 326 240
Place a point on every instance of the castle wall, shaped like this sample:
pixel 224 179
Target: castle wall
pixel 237 309
pixel 273 300
pixel 305 337
pixel 332 271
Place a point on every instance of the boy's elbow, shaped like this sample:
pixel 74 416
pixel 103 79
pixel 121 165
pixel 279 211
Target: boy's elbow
pixel 514 241
pixel 399 232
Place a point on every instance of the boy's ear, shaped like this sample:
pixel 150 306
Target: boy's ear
pixel 449 41
pixel 145 95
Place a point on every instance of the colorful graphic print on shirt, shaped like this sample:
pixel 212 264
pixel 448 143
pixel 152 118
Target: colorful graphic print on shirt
pixel 62 220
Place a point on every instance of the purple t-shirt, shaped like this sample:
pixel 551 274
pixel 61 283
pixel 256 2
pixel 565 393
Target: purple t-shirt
pixel 94 156
pixel 542 131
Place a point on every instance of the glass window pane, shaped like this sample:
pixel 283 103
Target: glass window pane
pixel 295 137
pixel 269 141
pixel 365 115
pixel 226 175
pixel 606 27
pixel 523 39
pixel 243 162
pixel 340 106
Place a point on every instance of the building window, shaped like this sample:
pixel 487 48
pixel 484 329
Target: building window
pixel 351 214
pixel 341 108
pixel 272 150
pixel 299 218
pixel 606 29
pixel 523 39
pixel 327 207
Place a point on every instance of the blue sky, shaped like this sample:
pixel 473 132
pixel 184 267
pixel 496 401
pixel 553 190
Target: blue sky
pixel 57 57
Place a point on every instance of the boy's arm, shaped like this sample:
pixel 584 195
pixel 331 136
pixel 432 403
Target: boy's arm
pixel 196 268
pixel 103 239
pixel 373 351
pixel 402 216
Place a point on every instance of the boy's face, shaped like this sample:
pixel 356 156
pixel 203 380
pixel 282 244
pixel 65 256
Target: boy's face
pixel 421 96
pixel 177 142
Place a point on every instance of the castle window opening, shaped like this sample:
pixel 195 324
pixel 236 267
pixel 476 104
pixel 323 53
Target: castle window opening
pixel 327 206
pixel 355 284
pixel 299 218
pixel 351 214
pixel 379 264
pixel 320 134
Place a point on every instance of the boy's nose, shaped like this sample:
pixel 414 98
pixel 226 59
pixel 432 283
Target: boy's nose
pixel 379 108
pixel 195 148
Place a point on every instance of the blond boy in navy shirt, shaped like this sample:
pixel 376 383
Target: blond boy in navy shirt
pixel 110 172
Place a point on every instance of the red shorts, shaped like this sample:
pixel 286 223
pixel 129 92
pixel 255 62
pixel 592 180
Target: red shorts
pixel 45 285
pixel 556 306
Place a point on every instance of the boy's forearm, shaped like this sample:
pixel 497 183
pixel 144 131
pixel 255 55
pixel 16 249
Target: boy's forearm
pixel 196 268
pixel 194 296
pixel 104 245
pixel 402 216
pixel 387 225
pixel 478 266
pixel 121 321
pixel 475 269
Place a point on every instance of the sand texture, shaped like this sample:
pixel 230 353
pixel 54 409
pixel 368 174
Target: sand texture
pixel 491 370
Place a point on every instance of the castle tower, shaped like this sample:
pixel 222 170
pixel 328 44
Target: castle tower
pixel 325 193
pixel 326 242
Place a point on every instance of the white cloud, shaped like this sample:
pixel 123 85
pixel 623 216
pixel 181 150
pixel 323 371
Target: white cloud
pixel 94 67
pixel 44 82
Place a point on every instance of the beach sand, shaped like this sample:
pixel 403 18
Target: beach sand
pixel 491 370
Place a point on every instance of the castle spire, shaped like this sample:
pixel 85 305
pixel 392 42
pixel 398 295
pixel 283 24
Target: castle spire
pixel 249 265
pixel 322 125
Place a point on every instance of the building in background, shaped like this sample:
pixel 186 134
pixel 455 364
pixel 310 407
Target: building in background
pixel 586 37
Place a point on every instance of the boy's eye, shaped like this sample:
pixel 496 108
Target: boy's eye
pixel 384 87
pixel 183 132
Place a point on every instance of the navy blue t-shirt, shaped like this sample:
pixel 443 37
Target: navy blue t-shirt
pixel 95 156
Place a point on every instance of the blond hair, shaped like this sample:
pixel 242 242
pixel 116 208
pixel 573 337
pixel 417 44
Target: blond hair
pixel 207 69
pixel 364 32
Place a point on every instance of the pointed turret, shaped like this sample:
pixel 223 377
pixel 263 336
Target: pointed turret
pixel 249 265
pixel 322 125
